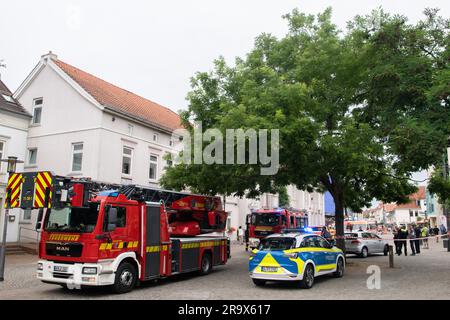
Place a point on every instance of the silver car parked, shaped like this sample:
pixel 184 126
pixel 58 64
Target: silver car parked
pixel 364 243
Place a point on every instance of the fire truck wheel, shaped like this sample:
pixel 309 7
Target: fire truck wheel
pixel 126 277
pixel 206 265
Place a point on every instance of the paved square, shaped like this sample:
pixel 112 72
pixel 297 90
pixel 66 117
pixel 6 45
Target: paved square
pixel 425 276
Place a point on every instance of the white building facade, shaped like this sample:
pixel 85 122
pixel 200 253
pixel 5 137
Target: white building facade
pixel 83 126
pixel 80 127
pixel 14 122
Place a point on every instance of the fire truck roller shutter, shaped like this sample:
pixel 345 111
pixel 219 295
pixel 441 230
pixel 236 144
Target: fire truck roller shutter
pixel 216 255
pixel 152 255
pixel 190 255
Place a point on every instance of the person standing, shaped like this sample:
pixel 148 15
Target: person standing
pixel 326 234
pixel 403 236
pixel 396 241
pixel 240 235
pixel 246 237
pixel 411 237
pixel 424 235
pixel 418 232
pixel 436 233
pixel 443 229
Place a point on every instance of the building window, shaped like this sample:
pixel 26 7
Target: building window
pixel 32 156
pixel 8 98
pixel 169 161
pixel 127 156
pixel 130 129
pixel 26 215
pixel 153 172
pixel 77 157
pixel 37 110
pixel 171 143
pixel 155 137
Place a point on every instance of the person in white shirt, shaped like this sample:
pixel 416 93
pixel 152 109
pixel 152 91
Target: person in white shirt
pixel 240 235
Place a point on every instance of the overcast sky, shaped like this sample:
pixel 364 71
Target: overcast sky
pixel 153 47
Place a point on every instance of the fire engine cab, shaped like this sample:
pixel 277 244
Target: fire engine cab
pixel 97 234
pixel 264 222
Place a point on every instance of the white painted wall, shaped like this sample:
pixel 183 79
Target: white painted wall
pixel 68 118
pixel 13 133
pixel 402 216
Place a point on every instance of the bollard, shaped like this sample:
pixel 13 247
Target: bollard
pixel 391 256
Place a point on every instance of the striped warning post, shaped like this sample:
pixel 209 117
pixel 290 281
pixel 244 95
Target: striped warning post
pixel 13 188
pixel 43 181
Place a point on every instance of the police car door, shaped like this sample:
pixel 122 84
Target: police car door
pixel 330 255
pixel 320 254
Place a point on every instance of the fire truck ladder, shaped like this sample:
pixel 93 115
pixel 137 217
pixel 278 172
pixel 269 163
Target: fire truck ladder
pixel 142 194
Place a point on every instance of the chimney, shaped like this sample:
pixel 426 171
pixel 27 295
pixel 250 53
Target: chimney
pixel 49 55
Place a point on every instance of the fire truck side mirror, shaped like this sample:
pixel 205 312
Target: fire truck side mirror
pixel 39 220
pixel 112 219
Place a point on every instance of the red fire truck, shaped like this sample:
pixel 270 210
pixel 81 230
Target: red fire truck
pixel 96 234
pixel 263 222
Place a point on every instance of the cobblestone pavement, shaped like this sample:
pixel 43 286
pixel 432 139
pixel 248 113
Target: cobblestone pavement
pixel 425 276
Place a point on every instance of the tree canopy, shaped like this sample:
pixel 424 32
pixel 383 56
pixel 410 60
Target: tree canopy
pixel 357 110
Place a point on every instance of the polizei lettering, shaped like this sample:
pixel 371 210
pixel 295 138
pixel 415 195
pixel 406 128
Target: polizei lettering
pixel 189 310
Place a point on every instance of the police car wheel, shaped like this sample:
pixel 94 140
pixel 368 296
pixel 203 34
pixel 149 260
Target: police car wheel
pixel 259 282
pixel 126 277
pixel 364 252
pixel 339 268
pixel 386 250
pixel 308 277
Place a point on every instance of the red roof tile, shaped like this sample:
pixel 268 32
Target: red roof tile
pixel 419 195
pixel 121 100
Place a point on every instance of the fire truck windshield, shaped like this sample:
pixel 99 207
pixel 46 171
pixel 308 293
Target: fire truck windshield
pixel 265 219
pixel 73 219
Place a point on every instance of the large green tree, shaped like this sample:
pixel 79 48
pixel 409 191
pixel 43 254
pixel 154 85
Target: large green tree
pixel 358 110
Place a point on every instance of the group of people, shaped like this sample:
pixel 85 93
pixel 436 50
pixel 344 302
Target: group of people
pixel 416 235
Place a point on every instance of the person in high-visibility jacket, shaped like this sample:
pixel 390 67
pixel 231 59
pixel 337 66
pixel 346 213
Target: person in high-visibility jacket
pixel 425 234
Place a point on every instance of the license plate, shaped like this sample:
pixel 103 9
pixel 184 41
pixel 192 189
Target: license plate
pixel 269 269
pixel 60 269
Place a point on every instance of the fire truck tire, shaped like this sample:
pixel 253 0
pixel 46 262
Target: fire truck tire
pixel 206 265
pixel 126 278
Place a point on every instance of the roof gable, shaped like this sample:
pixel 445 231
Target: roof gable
pixel 121 100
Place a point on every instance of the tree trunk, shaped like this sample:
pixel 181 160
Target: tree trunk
pixel 339 222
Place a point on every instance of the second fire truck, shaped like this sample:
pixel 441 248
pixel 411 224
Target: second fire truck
pixel 263 222
pixel 96 234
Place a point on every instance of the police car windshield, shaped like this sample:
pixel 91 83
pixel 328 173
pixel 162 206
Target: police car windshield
pixel 276 244
pixel 265 219
pixel 73 219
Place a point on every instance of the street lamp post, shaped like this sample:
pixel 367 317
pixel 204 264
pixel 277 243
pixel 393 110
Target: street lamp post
pixel 12 163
